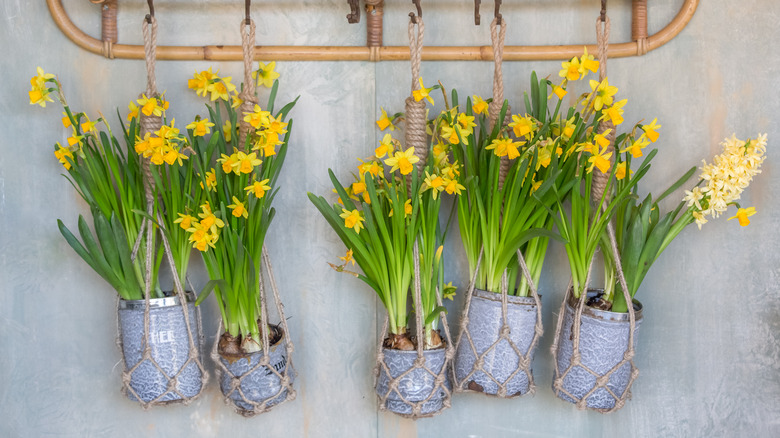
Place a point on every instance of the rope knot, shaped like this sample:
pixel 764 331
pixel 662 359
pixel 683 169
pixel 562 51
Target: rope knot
pixel 576 358
pixel 505 331
pixel 628 355
pixel 581 404
pixel 558 384
pixel 172 385
pixel 603 380
pixel 501 391
pixel 479 363
pixel 264 361
pixel 419 362
pixel 235 382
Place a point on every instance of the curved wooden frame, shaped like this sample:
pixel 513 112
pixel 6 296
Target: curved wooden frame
pixel 356 53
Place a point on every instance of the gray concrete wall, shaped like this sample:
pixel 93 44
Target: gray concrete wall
pixel 709 351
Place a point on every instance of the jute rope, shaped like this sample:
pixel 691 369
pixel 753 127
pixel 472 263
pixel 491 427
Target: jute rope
pixel 439 378
pixel 264 365
pixel 504 334
pixel 151 124
pixel 416 137
pixel 247 95
pixel 497 38
pixel 600 182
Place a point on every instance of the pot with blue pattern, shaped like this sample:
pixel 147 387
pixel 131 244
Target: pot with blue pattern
pixel 603 343
pixel 484 327
pixel 415 386
pixel 257 384
pixel 170 347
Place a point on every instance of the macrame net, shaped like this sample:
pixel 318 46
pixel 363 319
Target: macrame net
pixel 150 124
pixel 285 376
pixel 598 186
pixel 235 394
pixel 416 137
pixel 504 335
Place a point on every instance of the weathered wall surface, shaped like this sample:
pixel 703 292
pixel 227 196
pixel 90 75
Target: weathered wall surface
pixel 709 352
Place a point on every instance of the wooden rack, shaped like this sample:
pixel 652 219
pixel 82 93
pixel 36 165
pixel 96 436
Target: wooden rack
pixel 374 50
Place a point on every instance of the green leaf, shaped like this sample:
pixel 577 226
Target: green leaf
pixel 206 291
pixel 434 314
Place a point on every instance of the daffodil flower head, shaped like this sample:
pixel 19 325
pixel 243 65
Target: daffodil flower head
pixel 433 182
pixel 221 89
pixel 636 146
pixel 600 160
pixel 422 93
pixel 201 82
pixel 651 130
pixel 570 69
pixel 200 127
pixel 385 122
pixel 352 219
pixel 743 214
pixel 265 74
pixel 64 155
pixel 185 221
pixel 403 161
pixel 238 209
pixel 348 258
pixel 602 94
pixel 258 188
pixel 150 106
pixel 385 146
pixel 587 63
pixel 478 105
pixel 523 126
pixel 39 93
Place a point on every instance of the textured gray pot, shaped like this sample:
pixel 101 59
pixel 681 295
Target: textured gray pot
pixel 415 386
pixel 603 341
pixel 484 327
pixel 169 347
pixel 259 384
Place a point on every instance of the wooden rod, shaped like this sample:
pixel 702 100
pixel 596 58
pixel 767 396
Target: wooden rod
pixel 355 53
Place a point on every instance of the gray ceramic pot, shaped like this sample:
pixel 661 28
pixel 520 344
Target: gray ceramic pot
pixel 169 344
pixel 259 384
pixel 500 362
pixel 603 341
pixel 415 386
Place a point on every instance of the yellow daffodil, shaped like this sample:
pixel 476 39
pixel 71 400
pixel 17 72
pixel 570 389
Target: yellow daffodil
pixel 265 74
pixel 403 161
pixel 150 106
pixel 535 186
pixel 208 220
pixel 433 182
pixel 221 89
pixel 385 122
pixel 168 132
pixel 227 131
pixel 39 97
pixel 200 127
pixel 352 219
pixel 39 94
pixel 75 139
pixel 602 139
pixel 359 187
pixel 505 147
pixel 467 124
pixel 614 113
pixel 651 130
pixel 173 155
pixel 568 130
pixel 211 180
pixel 478 105
pixel 348 258
pixel 450 134
pixel 452 171
pixel 600 160
pixel 66 121
pixel 620 171
pixel 185 221
pixel 570 69
pixel 559 91
pixel 238 209
pixel 743 214
pixel 257 118
pixel 229 163
pixel 523 126
pixel 64 155
pixel 636 146
pixel 408 208
pixel 258 188
pixel 385 146
pixel 275 125
pixel 202 81
pixel 133 111
pixel 588 63
pixel 422 93
pixel 247 162
pixel 452 187
pixel 603 93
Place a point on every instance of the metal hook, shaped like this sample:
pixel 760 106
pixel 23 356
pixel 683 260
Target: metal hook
pixel 151 11
pixel 476 11
pixel 497 12
pixel 247 6
pixel 603 16
pixel 419 11
pixel 354 15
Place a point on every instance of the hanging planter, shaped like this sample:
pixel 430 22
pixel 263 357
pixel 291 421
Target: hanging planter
pixel 603 374
pixel 404 385
pixel 252 379
pixel 388 219
pixel 502 361
pixel 171 375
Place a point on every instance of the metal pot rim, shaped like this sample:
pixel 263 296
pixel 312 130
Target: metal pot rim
pixel 155 303
pixel 511 299
pixel 435 351
pixel 605 315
